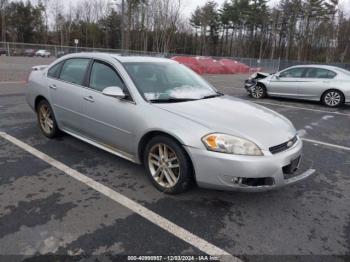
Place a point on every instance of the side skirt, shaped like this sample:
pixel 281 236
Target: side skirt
pixel 107 148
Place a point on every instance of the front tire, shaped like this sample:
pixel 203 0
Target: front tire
pixel 167 165
pixel 258 92
pixel 46 119
pixel 333 98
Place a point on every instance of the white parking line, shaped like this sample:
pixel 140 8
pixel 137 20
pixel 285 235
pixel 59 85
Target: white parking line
pixel 156 219
pixel 326 144
pixel 298 107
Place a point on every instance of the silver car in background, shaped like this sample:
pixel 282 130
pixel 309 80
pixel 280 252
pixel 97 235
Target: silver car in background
pixel 42 53
pixel 327 84
pixel 158 112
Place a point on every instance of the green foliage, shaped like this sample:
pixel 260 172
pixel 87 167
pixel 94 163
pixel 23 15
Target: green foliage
pixel 24 21
pixel 294 29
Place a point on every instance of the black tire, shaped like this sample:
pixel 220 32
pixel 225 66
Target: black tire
pixel 333 98
pixel 259 92
pixel 185 175
pixel 49 132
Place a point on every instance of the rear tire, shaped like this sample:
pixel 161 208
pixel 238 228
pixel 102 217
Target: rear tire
pixel 258 92
pixel 46 119
pixel 333 98
pixel 168 165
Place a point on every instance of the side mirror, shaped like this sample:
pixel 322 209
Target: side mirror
pixel 277 77
pixel 114 91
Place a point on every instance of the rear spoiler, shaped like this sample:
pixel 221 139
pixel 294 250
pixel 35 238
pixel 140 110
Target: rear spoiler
pixel 39 67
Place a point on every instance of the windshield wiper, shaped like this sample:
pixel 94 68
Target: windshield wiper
pixel 172 100
pixel 212 96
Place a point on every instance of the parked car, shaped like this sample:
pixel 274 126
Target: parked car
pixel 158 112
pixel 43 53
pixel 15 52
pixel 327 84
pixel 29 52
pixel 3 51
pixel 60 54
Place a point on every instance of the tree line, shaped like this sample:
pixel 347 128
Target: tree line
pixel 317 30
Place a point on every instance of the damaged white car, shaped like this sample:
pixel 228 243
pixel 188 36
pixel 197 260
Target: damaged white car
pixel 327 84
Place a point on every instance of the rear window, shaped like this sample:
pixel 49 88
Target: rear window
pixel 54 71
pixel 74 70
pixel 319 73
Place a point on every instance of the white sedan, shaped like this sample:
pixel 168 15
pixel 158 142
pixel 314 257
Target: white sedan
pixel 327 84
pixel 43 53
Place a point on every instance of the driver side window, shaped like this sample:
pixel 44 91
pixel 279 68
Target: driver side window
pixel 102 76
pixel 294 73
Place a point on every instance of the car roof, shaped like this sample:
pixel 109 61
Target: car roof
pixel 122 58
pixel 318 66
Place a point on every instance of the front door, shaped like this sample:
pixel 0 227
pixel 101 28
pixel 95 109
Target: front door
pixel 287 83
pixel 110 121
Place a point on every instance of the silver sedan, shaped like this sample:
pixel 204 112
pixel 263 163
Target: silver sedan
pixel 328 84
pixel 160 113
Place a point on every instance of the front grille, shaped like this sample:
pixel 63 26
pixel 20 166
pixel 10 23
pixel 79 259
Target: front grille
pixel 284 146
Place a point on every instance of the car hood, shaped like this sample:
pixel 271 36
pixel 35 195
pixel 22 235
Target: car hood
pixel 236 117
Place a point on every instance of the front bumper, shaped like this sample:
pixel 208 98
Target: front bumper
pixel 249 84
pixel 246 173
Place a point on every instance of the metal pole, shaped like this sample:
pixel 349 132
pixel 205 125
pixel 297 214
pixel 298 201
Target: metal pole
pixel 3 24
pixel 122 24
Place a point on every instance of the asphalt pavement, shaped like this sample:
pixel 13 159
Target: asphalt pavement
pixel 43 210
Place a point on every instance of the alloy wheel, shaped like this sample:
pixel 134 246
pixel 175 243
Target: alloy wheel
pixel 257 92
pixel 164 165
pixel 46 120
pixel 332 98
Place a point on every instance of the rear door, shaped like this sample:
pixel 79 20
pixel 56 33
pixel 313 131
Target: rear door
pixel 67 93
pixel 287 83
pixel 317 80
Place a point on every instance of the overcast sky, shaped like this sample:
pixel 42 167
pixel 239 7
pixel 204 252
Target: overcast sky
pixel 190 5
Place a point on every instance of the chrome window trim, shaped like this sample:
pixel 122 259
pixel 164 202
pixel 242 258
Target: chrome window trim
pixel 86 87
pixel 119 74
pixel 293 68
pixel 65 60
pixel 323 69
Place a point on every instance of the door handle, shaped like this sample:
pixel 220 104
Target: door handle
pixel 89 99
pixel 53 86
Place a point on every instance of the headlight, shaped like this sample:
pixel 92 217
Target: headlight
pixel 231 145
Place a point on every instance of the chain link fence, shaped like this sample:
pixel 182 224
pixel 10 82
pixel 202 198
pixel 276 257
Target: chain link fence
pixel 24 49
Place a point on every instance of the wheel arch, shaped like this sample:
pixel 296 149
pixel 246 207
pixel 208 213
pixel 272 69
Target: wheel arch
pixel 149 135
pixel 262 85
pixel 331 89
pixel 37 100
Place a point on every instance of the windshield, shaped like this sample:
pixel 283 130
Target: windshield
pixel 168 81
